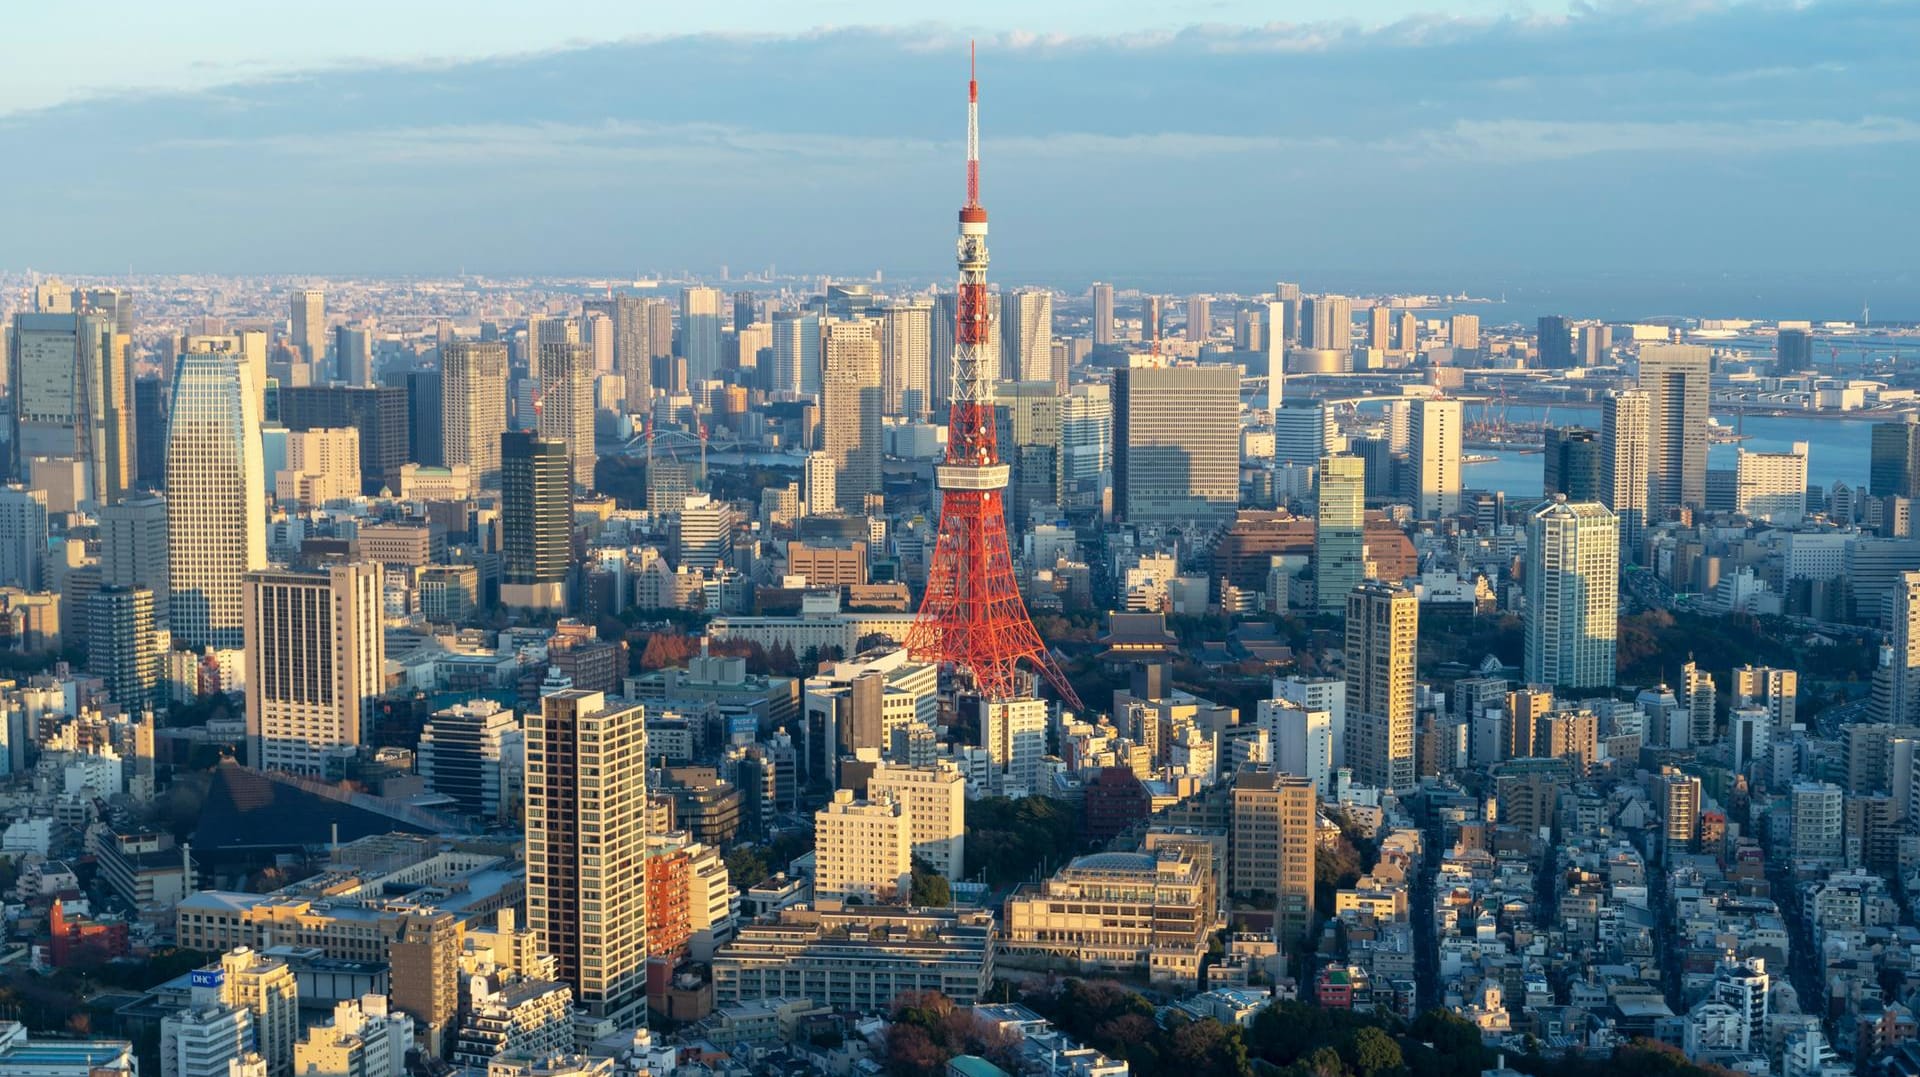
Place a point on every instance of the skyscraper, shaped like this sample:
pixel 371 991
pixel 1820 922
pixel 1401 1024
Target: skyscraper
pixel 1380 327
pixel 1674 377
pixel 1464 332
pixel 1176 443
pixel 1555 341
pixel 822 485
pixel 316 657
pixel 536 521
pixel 1274 822
pixel 1102 314
pixel 1894 458
pixel 796 353
pixel 216 530
pixel 1026 336
pixel 906 356
pixel 1086 436
pixel 586 821
pixel 566 406
pixel 353 354
pixel 1339 532
pixel 379 412
pixel 23 536
pixel 124 647
pixel 473 406
pixel 1573 464
pixel 851 409
pixel 700 313
pixel 71 380
pixel 1435 445
pixel 133 550
pixel 1199 318
pixel 1896 681
pixel 1573 594
pixel 1326 323
pixel 1150 318
pixel 1383 637
pixel 308 327
pixel 1793 351
pixel 1624 478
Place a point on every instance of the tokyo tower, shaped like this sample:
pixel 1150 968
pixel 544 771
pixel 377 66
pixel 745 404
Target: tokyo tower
pixel 972 616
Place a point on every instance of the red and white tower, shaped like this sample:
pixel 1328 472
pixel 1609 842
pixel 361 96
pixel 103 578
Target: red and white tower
pixel 972 616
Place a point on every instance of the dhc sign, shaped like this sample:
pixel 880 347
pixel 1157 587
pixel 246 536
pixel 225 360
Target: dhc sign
pixel 207 977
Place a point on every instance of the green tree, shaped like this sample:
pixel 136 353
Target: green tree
pixel 1374 1053
pixel 930 888
pixel 745 867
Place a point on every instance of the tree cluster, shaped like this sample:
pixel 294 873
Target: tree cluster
pixel 1008 840
pixel 928 1030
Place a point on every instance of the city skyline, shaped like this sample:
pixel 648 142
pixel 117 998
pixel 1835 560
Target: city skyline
pixel 450 160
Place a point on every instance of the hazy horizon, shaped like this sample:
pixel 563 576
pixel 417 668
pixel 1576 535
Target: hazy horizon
pixel 1743 158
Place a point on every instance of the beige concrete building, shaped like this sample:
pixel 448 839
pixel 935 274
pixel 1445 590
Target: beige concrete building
pixel 1118 912
pixel 1274 823
pixel 264 986
pixel 1383 628
pixel 935 798
pixel 473 407
pixel 323 464
pixel 862 849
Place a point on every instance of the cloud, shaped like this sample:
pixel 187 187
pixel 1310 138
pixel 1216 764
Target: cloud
pixel 1420 151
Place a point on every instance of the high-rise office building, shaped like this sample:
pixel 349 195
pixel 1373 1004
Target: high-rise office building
pixel 1793 351
pixel 796 353
pixel 1894 458
pixel 133 549
pixel 1304 431
pixel 1383 637
pixel 586 824
pixel 536 521
pixel 1573 594
pixel 1029 440
pixel 307 329
pixel 1772 486
pixel 1199 318
pixel 1555 342
pixel 1326 323
pixel 1102 314
pixel 1896 681
pixel 1026 336
pixel 71 381
pixel 124 646
pixel 1573 464
pixel 1625 431
pixel 353 354
pixel 852 408
pixel 1675 379
pixel 1596 345
pixel 316 654
pixel 906 356
pixel 466 752
pixel 700 313
pixel 566 406
pixel 23 537
pixel 150 431
pixel 379 412
pixel 216 526
pixel 1434 444
pixel 473 407
pixel 1339 532
pixel 426 440
pixel 1086 435
pixel 1176 443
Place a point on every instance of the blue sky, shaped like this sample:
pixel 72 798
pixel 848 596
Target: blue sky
pixel 1470 144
